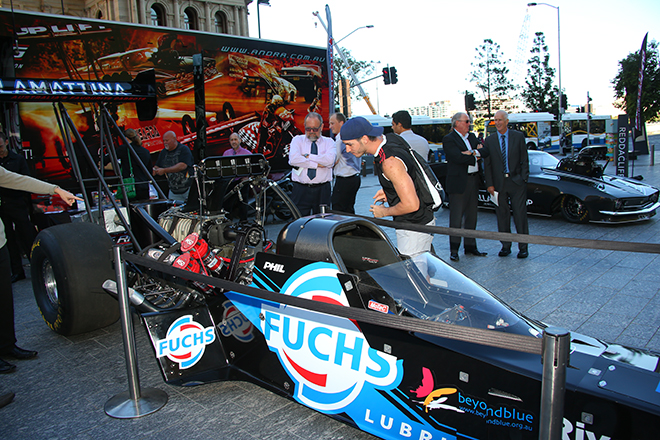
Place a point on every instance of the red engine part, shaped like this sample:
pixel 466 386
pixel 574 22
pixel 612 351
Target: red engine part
pixel 199 249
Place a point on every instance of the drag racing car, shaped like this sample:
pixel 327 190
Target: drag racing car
pixel 579 189
pixel 337 320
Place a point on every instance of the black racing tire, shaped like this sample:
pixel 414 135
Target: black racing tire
pixel 531 146
pixel 574 210
pixel 188 124
pixel 69 264
pixel 228 112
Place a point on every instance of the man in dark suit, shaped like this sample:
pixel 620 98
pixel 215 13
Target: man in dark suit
pixel 462 183
pixel 506 170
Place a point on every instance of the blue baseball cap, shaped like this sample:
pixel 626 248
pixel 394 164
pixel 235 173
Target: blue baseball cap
pixel 357 127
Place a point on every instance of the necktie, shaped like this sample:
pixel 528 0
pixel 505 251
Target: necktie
pixel 311 172
pixel 505 162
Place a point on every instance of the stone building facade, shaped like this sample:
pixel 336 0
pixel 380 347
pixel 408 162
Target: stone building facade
pixel 218 16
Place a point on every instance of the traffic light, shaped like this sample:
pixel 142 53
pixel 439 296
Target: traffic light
pixel 393 77
pixel 386 75
pixel 469 101
pixel 564 101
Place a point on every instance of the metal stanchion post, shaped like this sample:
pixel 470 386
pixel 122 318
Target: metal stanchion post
pixel 556 347
pixel 134 402
pixel 652 154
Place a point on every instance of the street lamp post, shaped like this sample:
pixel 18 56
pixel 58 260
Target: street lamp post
pixel 343 57
pixel 369 26
pixel 559 107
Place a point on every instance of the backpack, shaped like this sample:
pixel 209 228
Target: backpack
pixel 431 191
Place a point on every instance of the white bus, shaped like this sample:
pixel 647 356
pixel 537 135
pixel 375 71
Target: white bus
pixel 431 129
pixel 575 127
pixel 540 130
pixel 542 133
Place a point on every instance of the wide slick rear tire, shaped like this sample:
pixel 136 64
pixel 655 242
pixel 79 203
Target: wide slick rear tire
pixel 69 264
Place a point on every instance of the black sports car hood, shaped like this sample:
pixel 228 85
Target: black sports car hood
pixel 614 185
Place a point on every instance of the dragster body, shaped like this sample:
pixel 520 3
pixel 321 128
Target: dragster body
pixel 391 382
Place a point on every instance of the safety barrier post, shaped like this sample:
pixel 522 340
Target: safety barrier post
pixel 652 154
pixel 134 402
pixel 556 347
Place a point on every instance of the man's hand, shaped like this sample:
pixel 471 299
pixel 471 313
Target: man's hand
pixel 158 171
pixel 378 211
pixel 491 190
pixel 380 196
pixel 66 196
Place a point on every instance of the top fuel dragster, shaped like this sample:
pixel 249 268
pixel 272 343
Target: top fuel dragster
pixel 393 382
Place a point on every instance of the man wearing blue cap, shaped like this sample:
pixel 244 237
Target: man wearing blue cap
pixel 395 167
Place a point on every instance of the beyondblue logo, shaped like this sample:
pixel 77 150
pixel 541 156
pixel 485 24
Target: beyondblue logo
pixel 185 342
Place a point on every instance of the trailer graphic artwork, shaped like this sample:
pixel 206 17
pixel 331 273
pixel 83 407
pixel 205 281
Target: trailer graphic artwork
pixel 260 89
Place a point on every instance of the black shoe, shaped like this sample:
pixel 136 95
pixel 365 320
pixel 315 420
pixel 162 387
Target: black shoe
pixel 6 399
pixel 453 256
pixel 476 253
pixel 18 277
pixel 18 353
pixel 523 254
pixel 6 367
pixel 504 252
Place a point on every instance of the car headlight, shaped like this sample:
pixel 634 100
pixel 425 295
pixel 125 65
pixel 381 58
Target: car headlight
pixel 654 197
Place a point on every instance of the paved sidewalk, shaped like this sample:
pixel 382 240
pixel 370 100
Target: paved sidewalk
pixel 61 394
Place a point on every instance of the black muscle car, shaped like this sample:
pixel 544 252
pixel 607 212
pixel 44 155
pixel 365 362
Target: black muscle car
pixel 578 188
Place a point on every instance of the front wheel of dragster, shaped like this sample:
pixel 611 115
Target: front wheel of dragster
pixel 69 264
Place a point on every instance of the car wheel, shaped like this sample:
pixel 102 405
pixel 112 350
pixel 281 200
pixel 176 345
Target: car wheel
pixel 574 210
pixel 228 112
pixel 188 124
pixel 69 264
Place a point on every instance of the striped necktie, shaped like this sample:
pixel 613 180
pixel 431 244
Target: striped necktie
pixel 505 162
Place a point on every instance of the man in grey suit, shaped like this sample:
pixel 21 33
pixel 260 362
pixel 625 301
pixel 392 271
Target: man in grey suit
pixel 506 169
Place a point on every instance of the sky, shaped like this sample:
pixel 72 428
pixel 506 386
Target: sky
pixel 432 42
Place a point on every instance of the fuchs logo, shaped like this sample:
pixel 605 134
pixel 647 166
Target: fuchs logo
pixel 327 356
pixel 185 342
pixel 235 324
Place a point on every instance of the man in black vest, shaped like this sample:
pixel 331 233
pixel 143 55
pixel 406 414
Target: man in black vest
pixel 395 167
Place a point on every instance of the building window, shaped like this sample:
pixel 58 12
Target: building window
pixel 157 15
pixel 190 19
pixel 220 23
pixel 99 15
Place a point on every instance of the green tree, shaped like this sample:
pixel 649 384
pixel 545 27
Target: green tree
pixel 490 74
pixel 539 93
pixel 361 69
pixel 626 81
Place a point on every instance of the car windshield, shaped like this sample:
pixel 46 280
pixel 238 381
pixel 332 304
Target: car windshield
pixel 540 159
pixel 427 288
